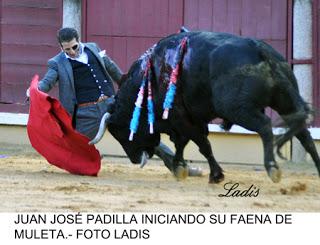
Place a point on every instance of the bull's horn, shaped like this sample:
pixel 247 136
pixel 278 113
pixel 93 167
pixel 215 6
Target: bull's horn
pixel 102 129
pixel 144 159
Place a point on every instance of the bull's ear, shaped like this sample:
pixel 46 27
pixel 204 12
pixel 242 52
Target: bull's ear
pixel 102 128
pixel 184 29
pixel 122 79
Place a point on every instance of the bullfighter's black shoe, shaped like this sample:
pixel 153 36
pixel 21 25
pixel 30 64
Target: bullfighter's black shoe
pixel 166 155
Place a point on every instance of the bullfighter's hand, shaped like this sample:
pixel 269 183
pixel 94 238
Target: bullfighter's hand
pixel 28 92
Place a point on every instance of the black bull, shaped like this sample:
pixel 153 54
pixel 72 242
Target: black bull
pixel 221 76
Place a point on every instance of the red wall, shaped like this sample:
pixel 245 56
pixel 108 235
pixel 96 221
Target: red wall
pixel 28 39
pixel 263 19
pixel 127 28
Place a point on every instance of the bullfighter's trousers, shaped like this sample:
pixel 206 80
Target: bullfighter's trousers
pixel 88 118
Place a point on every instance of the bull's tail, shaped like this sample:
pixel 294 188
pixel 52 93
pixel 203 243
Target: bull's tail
pixel 298 118
pixel 295 122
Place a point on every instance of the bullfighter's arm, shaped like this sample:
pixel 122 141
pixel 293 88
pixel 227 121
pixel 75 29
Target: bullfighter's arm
pixel 50 78
pixel 113 69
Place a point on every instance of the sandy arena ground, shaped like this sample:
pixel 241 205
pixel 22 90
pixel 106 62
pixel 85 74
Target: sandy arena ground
pixel 30 184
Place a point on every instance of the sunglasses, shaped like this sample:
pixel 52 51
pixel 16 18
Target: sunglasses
pixel 74 48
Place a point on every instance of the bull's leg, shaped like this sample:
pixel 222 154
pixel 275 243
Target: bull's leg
pixel 269 160
pixel 199 137
pixel 175 162
pixel 260 123
pixel 308 144
pixel 171 160
pixel 164 153
pixel 180 169
pixel 216 172
pixel 198 134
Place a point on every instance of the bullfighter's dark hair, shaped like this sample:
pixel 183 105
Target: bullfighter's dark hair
pixel 66 34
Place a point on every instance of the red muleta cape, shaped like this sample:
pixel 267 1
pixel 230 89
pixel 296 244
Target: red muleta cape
pixel 51 133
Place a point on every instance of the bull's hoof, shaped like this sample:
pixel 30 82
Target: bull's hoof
pixel 181 173
pixel 215 179
pixel 274 174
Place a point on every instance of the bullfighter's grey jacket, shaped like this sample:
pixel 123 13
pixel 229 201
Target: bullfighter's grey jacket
pixel 60 70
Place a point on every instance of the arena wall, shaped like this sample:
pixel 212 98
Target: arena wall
pixel 235 147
